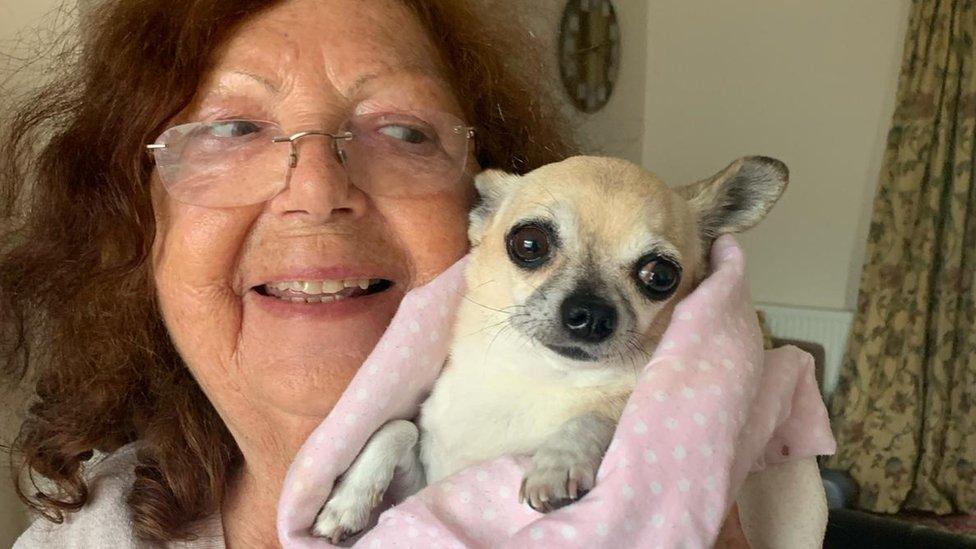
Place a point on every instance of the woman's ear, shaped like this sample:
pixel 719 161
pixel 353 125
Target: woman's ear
pixel 493 186
pixel 737 197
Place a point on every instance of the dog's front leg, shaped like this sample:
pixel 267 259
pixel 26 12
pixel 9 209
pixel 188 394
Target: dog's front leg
pixel 565 465
pixel 388 459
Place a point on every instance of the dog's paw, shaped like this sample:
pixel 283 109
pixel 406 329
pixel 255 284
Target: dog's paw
pixel 360 490
pixel 557 478
pixel 348 510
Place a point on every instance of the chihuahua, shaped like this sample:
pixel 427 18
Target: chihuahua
pixel 574 271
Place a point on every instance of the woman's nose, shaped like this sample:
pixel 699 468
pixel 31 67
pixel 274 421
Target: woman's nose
pixel 317 185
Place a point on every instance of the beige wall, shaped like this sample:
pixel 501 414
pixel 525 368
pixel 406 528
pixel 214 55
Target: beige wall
pixel 17 14
pixel 26 28
pixel 811 83
pixel 13 518
pixel 618 128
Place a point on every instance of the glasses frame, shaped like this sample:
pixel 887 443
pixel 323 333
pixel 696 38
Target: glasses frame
pixel 292 139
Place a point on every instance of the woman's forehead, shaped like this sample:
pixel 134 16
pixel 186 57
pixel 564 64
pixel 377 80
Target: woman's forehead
pixel 346 42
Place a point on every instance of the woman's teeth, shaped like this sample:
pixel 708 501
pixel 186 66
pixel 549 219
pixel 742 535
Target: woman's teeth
pixel 318 291
pixel 314 287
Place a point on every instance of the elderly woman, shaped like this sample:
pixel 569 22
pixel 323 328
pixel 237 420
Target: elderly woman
pixel 196 312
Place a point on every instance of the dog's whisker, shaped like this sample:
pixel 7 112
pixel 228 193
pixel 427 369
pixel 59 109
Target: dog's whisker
pixel 481 285
pixel 507 319
pixel 546 207
pixel 641 350
pixel 487 306
pixel 552 196
pixel 634 357
pixel 492 342
pixel 635 339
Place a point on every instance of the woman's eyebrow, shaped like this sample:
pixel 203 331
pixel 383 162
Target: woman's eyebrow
pixel 353 89
pixel 416 70
pixel 272 86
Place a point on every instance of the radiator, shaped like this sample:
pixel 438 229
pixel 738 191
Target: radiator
pixel 829 328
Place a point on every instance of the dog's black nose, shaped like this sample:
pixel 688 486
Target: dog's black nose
pixel 588 318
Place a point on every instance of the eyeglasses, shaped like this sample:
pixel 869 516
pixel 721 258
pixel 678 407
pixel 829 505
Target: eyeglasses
pixel 238 162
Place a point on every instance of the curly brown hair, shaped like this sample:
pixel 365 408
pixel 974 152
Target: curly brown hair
pixel 77 307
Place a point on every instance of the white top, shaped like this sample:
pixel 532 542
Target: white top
pixel 105 520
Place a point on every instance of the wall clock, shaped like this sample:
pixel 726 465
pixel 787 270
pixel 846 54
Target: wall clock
pixel 589 52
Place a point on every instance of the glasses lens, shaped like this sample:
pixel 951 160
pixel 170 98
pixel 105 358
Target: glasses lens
pixel 405 154
pixel 224 163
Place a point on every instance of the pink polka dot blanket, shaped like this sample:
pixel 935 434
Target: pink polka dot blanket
pixel 710 407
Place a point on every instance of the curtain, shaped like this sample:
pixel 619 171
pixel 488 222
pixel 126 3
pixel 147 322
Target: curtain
pixel 905 408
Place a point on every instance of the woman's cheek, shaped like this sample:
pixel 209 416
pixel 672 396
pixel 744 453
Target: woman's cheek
pixel 195 257
pixel 434 232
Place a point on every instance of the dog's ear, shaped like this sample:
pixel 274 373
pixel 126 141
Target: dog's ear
pixel 493 186
pixel 737 197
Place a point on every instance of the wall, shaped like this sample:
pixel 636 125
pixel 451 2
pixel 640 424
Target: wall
pixel 16 15
pixel 13 518
pixel 811 83
pixel 618 128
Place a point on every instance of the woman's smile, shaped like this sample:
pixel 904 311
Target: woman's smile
pixel 322 291
pixel 326 293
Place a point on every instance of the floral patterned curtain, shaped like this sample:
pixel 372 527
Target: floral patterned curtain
pixel 905 409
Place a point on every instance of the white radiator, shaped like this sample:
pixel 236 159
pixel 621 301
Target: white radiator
pixel 829 328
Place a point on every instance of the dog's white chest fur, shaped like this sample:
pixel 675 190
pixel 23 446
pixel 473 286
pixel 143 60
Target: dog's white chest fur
pixel 505 402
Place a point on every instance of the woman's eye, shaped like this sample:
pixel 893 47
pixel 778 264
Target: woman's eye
pixel 233 128
pixel 404 133
pixel 657 277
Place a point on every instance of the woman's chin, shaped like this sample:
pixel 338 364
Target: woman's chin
pixel 299 357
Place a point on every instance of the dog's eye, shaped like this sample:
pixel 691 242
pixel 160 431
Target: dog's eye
pixel 657 277
pixel 528 245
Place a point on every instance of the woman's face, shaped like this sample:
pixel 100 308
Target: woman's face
pixel 306 64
